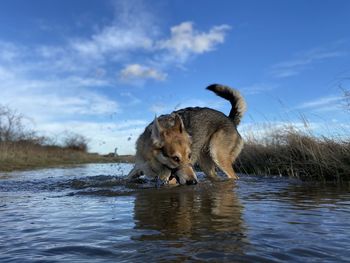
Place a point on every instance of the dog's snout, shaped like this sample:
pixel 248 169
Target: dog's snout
pixel 191 182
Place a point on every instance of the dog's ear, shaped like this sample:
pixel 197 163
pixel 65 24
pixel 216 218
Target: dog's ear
pixel 179 125
pixel 156 133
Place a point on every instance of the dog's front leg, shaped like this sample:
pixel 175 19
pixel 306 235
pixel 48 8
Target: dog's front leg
pixel 172 181
pixel 135 172
pixel 164 174
pixel 167 177
pixel 160 173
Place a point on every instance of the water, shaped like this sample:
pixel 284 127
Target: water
pixel 90 214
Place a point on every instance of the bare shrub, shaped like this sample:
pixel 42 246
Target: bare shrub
pixel 76 142
pixel 11 125
pixel 23 148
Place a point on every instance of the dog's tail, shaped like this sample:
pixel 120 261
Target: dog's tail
pixel 233 96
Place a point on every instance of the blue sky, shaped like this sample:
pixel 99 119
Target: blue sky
pixel 105 68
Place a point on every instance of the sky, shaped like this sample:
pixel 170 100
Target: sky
pixel 104 69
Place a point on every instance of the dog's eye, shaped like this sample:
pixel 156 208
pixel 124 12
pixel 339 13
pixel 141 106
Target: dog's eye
pixel 164 152
pixel 189 156
pixel 176 159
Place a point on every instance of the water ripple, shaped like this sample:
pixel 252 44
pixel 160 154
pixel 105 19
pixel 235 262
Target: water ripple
pixel 92 214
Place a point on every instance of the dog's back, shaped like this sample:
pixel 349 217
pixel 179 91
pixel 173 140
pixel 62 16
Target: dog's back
pixel 201 123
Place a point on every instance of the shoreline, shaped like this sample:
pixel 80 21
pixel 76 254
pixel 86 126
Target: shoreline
pixel 78 158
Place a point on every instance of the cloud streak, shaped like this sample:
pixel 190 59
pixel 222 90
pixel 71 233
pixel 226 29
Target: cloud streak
pixel 162 108
pixel 258 88
pixel 305 60
pixel 329 103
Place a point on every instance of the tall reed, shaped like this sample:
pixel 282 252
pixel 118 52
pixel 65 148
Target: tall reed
pixel 290 152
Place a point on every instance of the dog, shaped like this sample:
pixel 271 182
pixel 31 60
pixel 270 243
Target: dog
pixel 172 144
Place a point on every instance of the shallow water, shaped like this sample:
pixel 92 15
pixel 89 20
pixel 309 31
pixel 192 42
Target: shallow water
pixel 90 214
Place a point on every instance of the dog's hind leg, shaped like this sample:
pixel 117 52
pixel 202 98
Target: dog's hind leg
pixel 225 145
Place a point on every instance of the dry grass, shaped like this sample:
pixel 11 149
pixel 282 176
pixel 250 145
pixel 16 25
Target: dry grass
pixel 284 151
pixel 289 152
pixel 22 148
pixel 28 155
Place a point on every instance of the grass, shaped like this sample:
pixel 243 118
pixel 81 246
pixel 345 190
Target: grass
pixel 285 151
pixel 21 148
pixel 289 152
pixel 28 155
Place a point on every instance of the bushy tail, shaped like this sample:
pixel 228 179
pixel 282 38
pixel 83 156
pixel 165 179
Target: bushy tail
pixel 237 102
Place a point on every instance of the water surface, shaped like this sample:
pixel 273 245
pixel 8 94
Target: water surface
pixel 90 214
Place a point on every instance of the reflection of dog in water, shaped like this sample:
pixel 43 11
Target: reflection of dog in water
pixel 171 144
pixel 210 214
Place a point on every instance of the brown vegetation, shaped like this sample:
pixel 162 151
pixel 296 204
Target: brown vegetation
pixel 290 152
pixel 21 148
pixel 284 151
pixel 75 142
pixel 27 154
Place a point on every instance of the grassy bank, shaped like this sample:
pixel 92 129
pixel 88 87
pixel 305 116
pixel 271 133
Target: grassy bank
pixel 289 152
pixel 28 155
pixel 22 148
pixel 285 152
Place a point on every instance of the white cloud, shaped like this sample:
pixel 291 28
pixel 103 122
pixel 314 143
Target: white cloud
pixel 183 43
pixel 112 39
pixel 132 29
pixel 137 71
pixel 117 44
pixel 52 106
pixel 65 82
pixel 51 97
pixel 185 40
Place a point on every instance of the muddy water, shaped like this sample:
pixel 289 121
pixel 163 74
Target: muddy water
pixel 90 214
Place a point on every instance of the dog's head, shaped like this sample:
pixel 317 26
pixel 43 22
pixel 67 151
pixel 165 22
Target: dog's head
pixel 172 148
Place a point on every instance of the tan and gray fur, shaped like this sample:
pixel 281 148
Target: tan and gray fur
pixel 163 148
pixel 215 141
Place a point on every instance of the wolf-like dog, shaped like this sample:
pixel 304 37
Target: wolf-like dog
pixel 172 144
pixel 163 149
